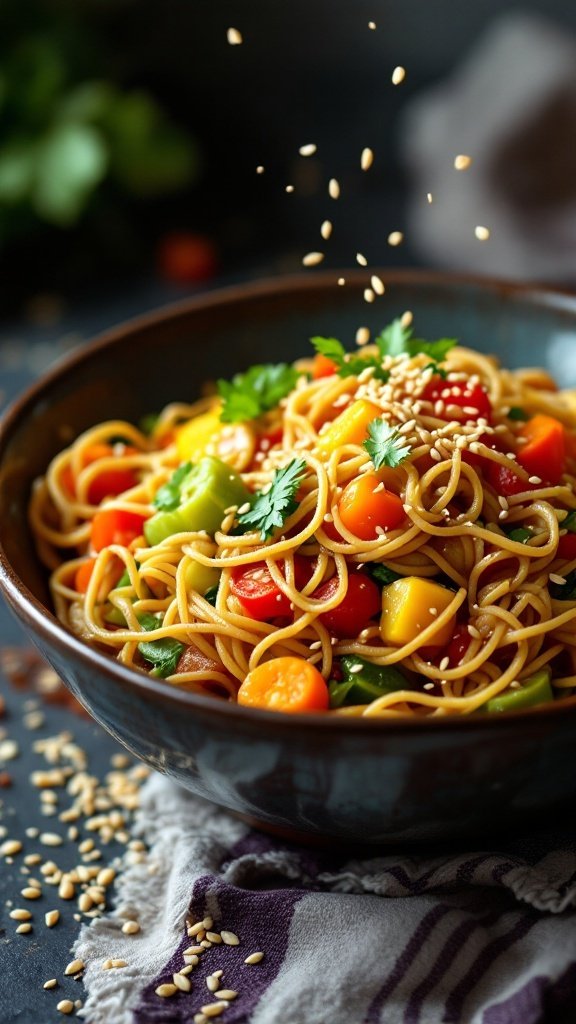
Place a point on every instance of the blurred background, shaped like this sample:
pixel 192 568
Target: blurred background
pixel 131 130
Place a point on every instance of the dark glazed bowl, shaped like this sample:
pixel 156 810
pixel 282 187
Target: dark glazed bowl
pixel 311 777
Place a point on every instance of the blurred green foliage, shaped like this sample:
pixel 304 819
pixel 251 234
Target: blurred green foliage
pixel 65 137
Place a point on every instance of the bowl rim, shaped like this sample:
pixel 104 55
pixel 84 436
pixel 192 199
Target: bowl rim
pixel 41 619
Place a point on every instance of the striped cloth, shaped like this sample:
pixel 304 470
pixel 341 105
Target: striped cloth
pixel 466 938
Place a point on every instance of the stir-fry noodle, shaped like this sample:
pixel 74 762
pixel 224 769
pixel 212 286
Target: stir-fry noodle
pixel 401 522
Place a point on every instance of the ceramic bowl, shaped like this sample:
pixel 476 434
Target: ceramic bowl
pixel 314 777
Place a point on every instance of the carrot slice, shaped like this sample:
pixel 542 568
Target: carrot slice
pixel 544 454
pixel 115 526
pixel 285 684
pixel 84 575
pixel 366 505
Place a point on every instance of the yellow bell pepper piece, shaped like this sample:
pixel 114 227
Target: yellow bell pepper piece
pixel 201 577
pixel 350 427
pixel 193 437
pixel 409 606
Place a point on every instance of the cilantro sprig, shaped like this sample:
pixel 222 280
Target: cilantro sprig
pixel 385 445
pixel 163 654
pixel 348 364
pixel 250 394
pixel 397 339
pixel 167 497
pixel 270 509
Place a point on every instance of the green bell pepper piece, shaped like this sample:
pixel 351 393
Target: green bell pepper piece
pixel 208 489
pixel 366 684
pixel 535 690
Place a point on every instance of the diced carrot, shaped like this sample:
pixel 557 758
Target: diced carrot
pixel 366 504
pixel 110 481
pixel 322 366
pixel 544 454
pixel 286 684
pixel 115 526
pixel 84 575
pixel 350 427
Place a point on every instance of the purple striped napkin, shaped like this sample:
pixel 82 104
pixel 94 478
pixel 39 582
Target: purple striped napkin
pixel 471 938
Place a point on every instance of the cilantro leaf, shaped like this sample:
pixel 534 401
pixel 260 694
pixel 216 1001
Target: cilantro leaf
pixel 396 340
pixel 570 522
pixel 348 363
pixel 163 654
pixel 211 594
pixel 382 573
pixel 516 413
pixel 385 445
pixel 271 509
pixel 168 497
pixel 261 388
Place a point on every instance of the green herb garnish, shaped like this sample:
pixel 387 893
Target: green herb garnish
pixel 386 445
pixel 570 522
pixel 348 364
pixel 382 573
pixel 564 591
pixel 516 413
pixel 168 497
pixel 270 510
pixel 396 340
pixel 250 394
pixel 163 654
pixel 520 535
pixel 211 594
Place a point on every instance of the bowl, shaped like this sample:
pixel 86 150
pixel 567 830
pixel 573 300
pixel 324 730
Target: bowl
pixel 311 778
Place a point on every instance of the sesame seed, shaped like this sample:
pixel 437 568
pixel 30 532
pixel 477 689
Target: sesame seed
pixel 66 889
pixel 462 162
pixel 356 668
pixel 308 150
pixel 428 686
pixel 474 633
pixel 312 259
pixel 213 1009
pixel 377 284
pixel 361 259
pixel 214 937
pixel 482 233
pixel 20 915
pixel 50 839
pixel 554 578
pixel 362 335
pixel 65 1006
pixel 85 902
pixel 118 963
pixel 372 25
pixel 289 189
pixel 366 159
pixel 74 966
pixel 9 749
pixel 51 983
pixel 398 75
pixel 326 229
pixel 52 918
pixel 193 950
pixel 534 480
pixel 395 238
pixel 444 664
pixel 212 983
pixel 30 893
pixel 130 927
pixel 165 991
pixel 433 611
pixel 429 197
pixel 334 188
pixel 254 958
pixel 23 929
pixel 406 318
pixel 10 847
pixel 515 685
pixel 369 295
pixel 503 514
pixel 226 993
pixel 229 938
pixel 260 169
pixel 341 282
pixel 234 37
pixel 105 876
pixel 182 982
pixel 502 501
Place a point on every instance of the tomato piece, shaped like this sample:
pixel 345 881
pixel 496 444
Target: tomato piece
pixel 504 480
pixel 115 526
pixel 83 576
pixel 544 454
pixel 258 594
pixel 322 367
pixel 567 546
pixel 458 645
pixel 466 402
pixel 361 603
pixel 108 483
pixel 366 504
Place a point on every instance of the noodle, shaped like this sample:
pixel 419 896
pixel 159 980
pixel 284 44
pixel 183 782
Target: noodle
pixel 458 533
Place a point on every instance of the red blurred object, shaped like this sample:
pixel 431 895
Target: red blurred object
pixel 187 258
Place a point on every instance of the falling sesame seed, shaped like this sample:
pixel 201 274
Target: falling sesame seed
pixel 362 335
pixel 52 918
pixel 334 188
pixel 462 162
pixel 369 295
pixel 326 229
pixel 65 1006
pixel 312 259
pixel 398 75
pixel 395 238
pixel 341 282
pixel 260 169
pixel 51 983
pixel 429 197
pixel 254 958
pixel 308 150
pixel 366 158
pixel 10 847
pixel 406 318
pixel 165 991
pixel 372 25
pixel 361 259
pixel 554 578
pixel 131 928
pixel 234 37
pixel 289 189
pixel 229 938
pixel 377 284
pixel 74 966
pixel 482 233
